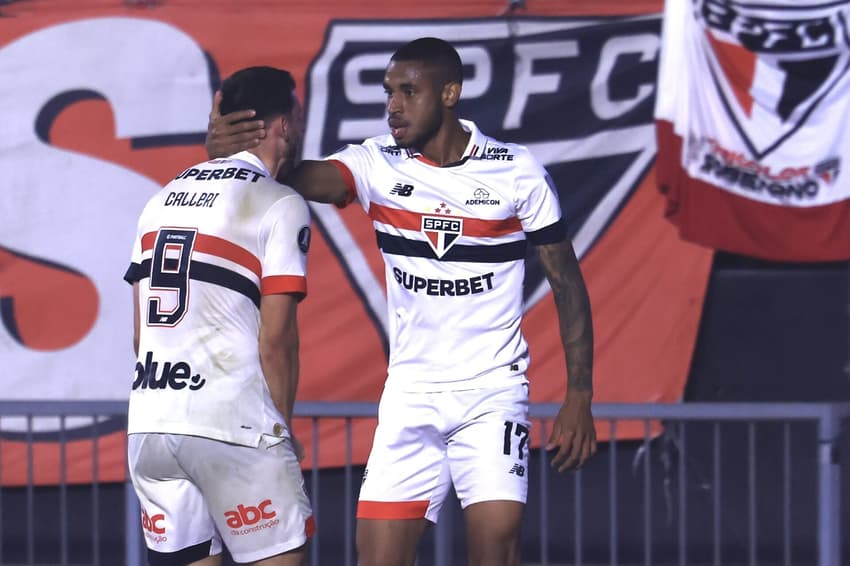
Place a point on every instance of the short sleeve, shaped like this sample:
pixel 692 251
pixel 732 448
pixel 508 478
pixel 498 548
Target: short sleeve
pixel 136 272
pixel 284 240
pixel 538 204
pixel 355 161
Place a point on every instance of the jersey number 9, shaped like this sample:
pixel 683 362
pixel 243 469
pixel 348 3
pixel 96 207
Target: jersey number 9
pixel 169 282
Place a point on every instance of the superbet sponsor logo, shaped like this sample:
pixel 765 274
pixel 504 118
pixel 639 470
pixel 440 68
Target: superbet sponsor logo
pixel 247 515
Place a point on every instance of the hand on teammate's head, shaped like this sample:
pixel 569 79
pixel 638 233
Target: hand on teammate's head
pixel 231 133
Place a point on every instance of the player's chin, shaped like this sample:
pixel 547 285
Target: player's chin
pixel 402 137
pixel 401 142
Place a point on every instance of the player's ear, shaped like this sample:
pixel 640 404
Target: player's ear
pixel 451 94
pixel 280 125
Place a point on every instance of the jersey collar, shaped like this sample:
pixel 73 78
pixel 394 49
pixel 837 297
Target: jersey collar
pixel 474 148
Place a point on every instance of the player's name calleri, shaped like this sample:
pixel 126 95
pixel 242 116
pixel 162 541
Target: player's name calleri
pixel 181 198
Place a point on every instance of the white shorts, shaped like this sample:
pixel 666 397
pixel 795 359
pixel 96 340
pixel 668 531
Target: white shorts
pixel 425 442
pixel 196 493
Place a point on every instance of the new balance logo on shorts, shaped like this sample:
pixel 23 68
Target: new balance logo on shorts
pixel 517 469
pixel 402 190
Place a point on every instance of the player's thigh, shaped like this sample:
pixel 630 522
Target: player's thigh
pixel 493 532
pixel 176 521
pixel 291 558
pixel 256 496
pixel 407 475
pixel 208 561
pixel 488 451
pixel 388 542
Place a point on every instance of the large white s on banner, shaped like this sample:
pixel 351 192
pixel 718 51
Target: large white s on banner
pixel 72 217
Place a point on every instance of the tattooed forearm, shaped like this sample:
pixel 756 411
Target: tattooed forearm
pixel 573 305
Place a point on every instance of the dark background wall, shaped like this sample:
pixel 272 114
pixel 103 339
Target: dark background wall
pixel 772 332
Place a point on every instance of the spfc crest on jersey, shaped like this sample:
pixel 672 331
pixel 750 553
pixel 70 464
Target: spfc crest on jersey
pixel 442 232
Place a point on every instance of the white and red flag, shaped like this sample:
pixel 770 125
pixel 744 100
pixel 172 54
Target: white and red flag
pixel 753 124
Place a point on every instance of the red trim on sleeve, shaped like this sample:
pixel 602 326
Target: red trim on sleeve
pixel 278 284
pixel 392 509
pixel 148 240
pixel 349 181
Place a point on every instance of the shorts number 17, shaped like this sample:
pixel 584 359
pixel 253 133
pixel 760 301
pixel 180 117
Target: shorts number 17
pixel 515 430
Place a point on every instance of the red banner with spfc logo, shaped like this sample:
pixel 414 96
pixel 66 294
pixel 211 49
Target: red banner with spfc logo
pixel 110 101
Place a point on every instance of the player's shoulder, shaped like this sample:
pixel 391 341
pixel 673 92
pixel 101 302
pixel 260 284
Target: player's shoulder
pixel 280 190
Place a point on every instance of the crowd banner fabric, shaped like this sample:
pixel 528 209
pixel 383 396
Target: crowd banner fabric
pixel 109 102
pixel 753 110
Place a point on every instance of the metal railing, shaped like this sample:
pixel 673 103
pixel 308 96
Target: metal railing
pixel 709 421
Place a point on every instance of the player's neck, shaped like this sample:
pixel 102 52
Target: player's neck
pixel 269 157
pixel 448 144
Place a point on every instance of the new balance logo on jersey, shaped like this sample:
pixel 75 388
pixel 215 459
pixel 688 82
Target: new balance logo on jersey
pixel 246 515
pixel 517 469
pixel 174 375
pixel 402 190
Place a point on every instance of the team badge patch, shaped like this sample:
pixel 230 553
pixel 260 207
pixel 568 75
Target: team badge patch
pixel 304 239
pixel 442 232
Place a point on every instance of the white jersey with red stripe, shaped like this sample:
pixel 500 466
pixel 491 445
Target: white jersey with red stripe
pixel 454 240
pixel 209 245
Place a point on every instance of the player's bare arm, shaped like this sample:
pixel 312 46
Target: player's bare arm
pixel 319 181
pixel 278 345
pixel 232 132
pixel 573 433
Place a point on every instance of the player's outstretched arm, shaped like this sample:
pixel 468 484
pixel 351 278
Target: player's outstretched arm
pixel 573 434
pixel 232 132
pixel 319 181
